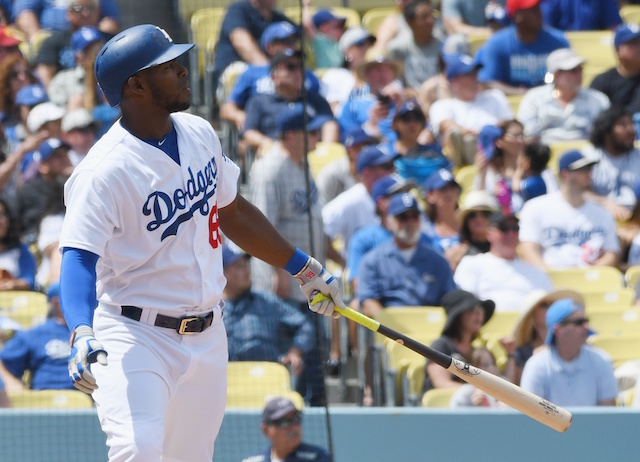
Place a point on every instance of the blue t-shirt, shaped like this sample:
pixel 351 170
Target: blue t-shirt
pixel 257 80
pixel 506 59
pixel 387 277
pixel 240 15
pixel 43 350
pixel 580 14
pixel 355 114
pixel 53 13
pixel 262 111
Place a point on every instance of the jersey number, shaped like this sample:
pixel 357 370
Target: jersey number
pixel 214 235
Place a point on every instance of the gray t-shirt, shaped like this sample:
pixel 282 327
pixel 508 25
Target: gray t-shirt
pixel 615 176
pixel 420 62
pixel 469 11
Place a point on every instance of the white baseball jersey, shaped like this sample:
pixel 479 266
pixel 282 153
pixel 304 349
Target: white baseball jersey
pixel 152 222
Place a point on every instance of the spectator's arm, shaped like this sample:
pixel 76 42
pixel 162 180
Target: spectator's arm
pixel 45 73
pixel 619 212
pixel 386 31
pixel 231 112
pixel 457 26
pixel 246 47
pixel 440 377
pixel 11 382
pixel 371 307
pixel 109 25
pixel 27 22
pixel 256 139
pixel 608 258
pixel 330 132
pixel 307 20
pixel 531 252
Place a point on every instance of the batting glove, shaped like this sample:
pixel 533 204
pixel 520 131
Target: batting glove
pixel 314 278
pixel 85 350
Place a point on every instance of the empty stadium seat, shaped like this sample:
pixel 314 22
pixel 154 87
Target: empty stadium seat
pixel 28 308
pixel 501 324
pixel 594 278
pixel 560 147
pixel 595 46
pixel 630 14
pixel 438 397
pixel 50 399
pixel 465 177
pixel 247 377
pixel 614 322
pixel 324 154
pixel 608 299
pixel 400 387
pixel 258 400
pixel 414 321
pixel 372 18
pixel 204 25
pixel 631 276
pixel 621 348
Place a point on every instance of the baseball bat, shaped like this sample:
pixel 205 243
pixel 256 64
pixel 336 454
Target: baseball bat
pixel 510 394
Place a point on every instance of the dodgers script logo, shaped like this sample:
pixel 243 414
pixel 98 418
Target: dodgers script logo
pixel 165 208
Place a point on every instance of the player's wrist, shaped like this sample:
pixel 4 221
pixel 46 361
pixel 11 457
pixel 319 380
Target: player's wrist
pixel 80 331
pixel 297 263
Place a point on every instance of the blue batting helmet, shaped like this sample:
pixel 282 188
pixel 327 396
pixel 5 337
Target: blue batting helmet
pixel 131 51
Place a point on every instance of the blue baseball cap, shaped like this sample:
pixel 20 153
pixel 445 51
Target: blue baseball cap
pixel 558 312
pixel 574 160
pixel 53 290
pixel 487 139
pixel 278 31
pixel 389 185
pixel 324 16
pixel 84 37
pixel 496 12
pixel 31 95
pixel 457 65
pixel 370 156
pixel 47 148
pixel 439 179
pixel 402 202
pixel 232 255
pixel 625 33
pixel 292 118
pixel 358 136
pixel 410 105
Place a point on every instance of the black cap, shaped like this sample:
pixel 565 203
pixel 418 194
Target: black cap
pixel 277 408
pixel 284 55
pixel 498 218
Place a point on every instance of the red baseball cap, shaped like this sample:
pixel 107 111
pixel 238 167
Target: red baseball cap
pixel 7 41
pixel 514 6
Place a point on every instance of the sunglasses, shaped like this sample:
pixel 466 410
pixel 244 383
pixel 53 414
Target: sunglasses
pixel 388 166
pixel 406 216
pixel 509 227
pixel 292 66
pixel 576 322
pixel 14 74
pixel 481 213
pixel 411 117
pixel 286 423
pixel 82 8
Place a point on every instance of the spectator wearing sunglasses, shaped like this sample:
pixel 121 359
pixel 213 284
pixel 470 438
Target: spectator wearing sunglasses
pixel 564 229
pixel 403 271
pixel 499 274
pixel 570 372
pixel 282 425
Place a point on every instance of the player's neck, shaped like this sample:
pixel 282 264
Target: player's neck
pixel 147 124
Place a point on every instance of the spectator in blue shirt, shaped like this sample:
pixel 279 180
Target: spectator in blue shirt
pixel 580 14
pixel 404 271
pixel 514 58
pixel 4 399
pixel 240 34
pixel 17 263
pixel 42 350
pixel 256 79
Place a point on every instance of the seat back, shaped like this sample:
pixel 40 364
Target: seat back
pixel 621 348
pixel 560 147
pixel 614 321
pixel 630 14
pixel 438 397
pixel 596 46
pixel 371 19
pixel 28 308
pixel 595 278
pixel 608 299
pixel 501 324
pixel 324 154
pixel 50 399
pixel 204 27
pixel 414 321
pixel 631 276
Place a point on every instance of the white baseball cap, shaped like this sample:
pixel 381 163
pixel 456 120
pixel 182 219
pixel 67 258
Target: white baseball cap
pixel 563 59
pixel 78 118
pixel 43 113
pixel 354 36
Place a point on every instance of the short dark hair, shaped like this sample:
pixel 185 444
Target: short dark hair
pixel 538 155
pixel 604 123
pixel 410 10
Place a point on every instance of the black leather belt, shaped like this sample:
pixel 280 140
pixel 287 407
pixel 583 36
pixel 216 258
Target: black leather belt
pixel 184 326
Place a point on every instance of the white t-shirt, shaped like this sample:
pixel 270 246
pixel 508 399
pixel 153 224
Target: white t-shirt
pixel 506 282
pixel 152 222
pixel 569 237
pixel 336 86
pixel 490 107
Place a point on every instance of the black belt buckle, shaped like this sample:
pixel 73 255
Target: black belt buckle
pixel 191 325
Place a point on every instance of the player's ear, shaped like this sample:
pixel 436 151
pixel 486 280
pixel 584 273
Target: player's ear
pixel 134 84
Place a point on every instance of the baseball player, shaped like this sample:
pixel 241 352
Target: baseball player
pixel 141 235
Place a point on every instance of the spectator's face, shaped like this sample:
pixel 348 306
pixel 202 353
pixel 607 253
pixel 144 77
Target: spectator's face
pixel 478 223
pixel 288 75
pixel 422 23
pixel 83 13
pixel 446 197
pixel 280 45
pixel 379 76
pixel 472 320
pixel 238 276
pixel 512 142
pixel 622 134
pixel 570 80
pixel 574 330
pixel 81 139
pixel 406 227
pixel 529 20
pixel 504 237
pixel 57 164
pixel 333 29
pixel 466 87
pixel 539 317
pixel 488 363
pixel 355 53
pixel 409 125
pixel 285 434
pixel 629 55
pixel 19 77
pixel 580 178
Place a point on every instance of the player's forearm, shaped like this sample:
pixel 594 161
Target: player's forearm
pixel 245 225
pixel 78 287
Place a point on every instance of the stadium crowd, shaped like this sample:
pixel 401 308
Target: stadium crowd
pixel 491 89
